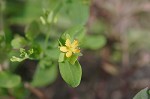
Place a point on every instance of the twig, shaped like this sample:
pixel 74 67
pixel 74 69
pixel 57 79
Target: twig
pixel 35 91
pixel 11 96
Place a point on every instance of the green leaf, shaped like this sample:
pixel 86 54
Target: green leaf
pixel 18 42
pixel 8 80
pixel 94 42
pixel 44 76
pixel 52 53
pixel 20 92
pixel 40 6
pixel 61 57
pixel 42 20
pixel 76 11
pixel 50 17
pixel 68 36
pixel 32 31
pixel 36 11
pixel 16 59
pixel 36 52
pixel 143 94
pixel 23 55
pixel 71 73
pixel 76 32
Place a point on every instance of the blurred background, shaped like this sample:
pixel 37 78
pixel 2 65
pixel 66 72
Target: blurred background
pixel 115 46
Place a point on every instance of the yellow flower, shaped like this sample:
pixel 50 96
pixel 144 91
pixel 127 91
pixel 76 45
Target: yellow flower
pixel 70 48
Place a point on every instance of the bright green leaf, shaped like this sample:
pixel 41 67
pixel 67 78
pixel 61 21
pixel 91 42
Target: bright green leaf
pixel 24 54
pixel 143 94
pixel 16 59
pixel 32 31
pixel 50 17
pixel 71 73
pixel 52 53
pixel 36 6
pixel 76 32
pixel 68 36
pixel 44 76
pixel 18 42
pixel 8 80
pixel 77 12
pixel 42 20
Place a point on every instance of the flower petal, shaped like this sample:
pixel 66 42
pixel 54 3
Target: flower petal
pixel 68 43
pixel 75 43
pixel 76 50
pixel 63 49
pixel 68 54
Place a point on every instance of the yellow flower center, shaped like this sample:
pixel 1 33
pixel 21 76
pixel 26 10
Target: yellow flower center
pixel 70 48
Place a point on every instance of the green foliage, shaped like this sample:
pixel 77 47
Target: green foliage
pixel 61 57
pixel 69 67
pixel 31 31
pixel 23 55
pixel 46 73
pixel 38 43
pixel 143 94
pixel 94 41
pixel 71 73
pixel 76 32
pixel 18 42
pixel 73 59
pixel 77 16
pixel 9 80
pixel 20 92
pixel 52 53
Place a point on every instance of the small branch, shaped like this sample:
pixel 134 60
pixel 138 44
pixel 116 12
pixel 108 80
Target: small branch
pixel 35 91
pixel 10 94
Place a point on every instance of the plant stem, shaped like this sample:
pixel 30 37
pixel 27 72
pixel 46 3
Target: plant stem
pixel 35 91
pixel 47 38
